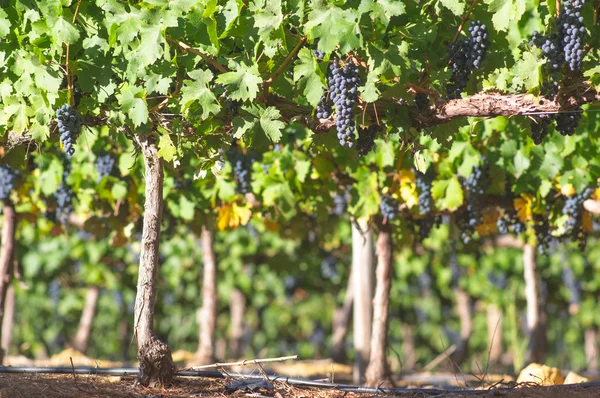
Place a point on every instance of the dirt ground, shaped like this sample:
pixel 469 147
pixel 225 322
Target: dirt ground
pixel 66 386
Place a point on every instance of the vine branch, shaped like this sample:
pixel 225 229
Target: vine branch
pixel 285 63
pixel 208 59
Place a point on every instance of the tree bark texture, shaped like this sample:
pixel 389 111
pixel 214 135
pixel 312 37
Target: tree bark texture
pixel 341 323
pixel 207 314
pixel 82 337
pixel 8 321
pixel 463 309
pixel 409 354
pixel 237 309
pixel 362 280
pixel 535 348
pixel 591 349
pixel 156 363
pixel 378 371
pixel 494 329
pixel 7 251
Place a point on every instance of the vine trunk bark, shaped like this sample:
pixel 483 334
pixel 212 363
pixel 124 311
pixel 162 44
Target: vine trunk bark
pixel 237 308
pixel 341 323
pixel 8 321
pixel 7 251
pixel 362 282
pixel 409 353
pixel 154 356
pixel 535 329
pixel 378 371
pixel 494 329
pixel 591 348
pixel 82 337
pixel 207 314
pixel 463 308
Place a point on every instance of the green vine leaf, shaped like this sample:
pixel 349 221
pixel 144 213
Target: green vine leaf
pixel 307 75
pixel 242 82
pixel 133 104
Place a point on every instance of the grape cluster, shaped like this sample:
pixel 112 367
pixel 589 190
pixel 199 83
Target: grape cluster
pixel 343 82
pixel 497 279
pixel 242 167
pixel 539 128
pixel 289 285
pixel 424 182
pixel 366 139
pixel 474 186
pixel 324 108
pixel 467 55
pixel 319 55
pixel 340 203
pixel 572 209
pixel 510 221
pixel 572 285
pixel 572 32
pixel 543 237
pixel 566 123
pixel 329 268
pixel 425 226
pixel 388 207
pixel 422 101
pixel 69 127
pixel 64 195
pixel 104 165
pixel 7 181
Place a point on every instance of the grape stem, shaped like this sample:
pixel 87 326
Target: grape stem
pixel 284 64
pixel 465 19
pixel 208 59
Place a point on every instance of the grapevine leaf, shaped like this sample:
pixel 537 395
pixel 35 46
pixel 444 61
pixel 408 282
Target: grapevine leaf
pixel 232 215
pixel 370 92
pixel 242 83
pixel 447 193
pixel 267 17
pixel 506 12
pixel 119 190
pixel 552 163
pixel 302 168
pixel 198 91
pixel 186 208
pixel 4 23
pixel 132 103
pixel 382 10
pixel 456 6
pixel 231 12
pixel 257 120
pixel 526 71
pixel 306 74
pixel 64 32
pixel 166 149
pixel 334 27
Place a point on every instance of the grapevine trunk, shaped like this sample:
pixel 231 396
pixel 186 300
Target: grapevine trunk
pixel 156 364
pixel 378 371
pixel 207 315
pixel 6 257
pixel 362 280
pixel 82 338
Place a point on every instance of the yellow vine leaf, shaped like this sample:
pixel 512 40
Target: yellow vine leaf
pixel 488 224
pixel 232 216
pixel 408 188
pixel 596 195
pixel 523 207
pixel 567 190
